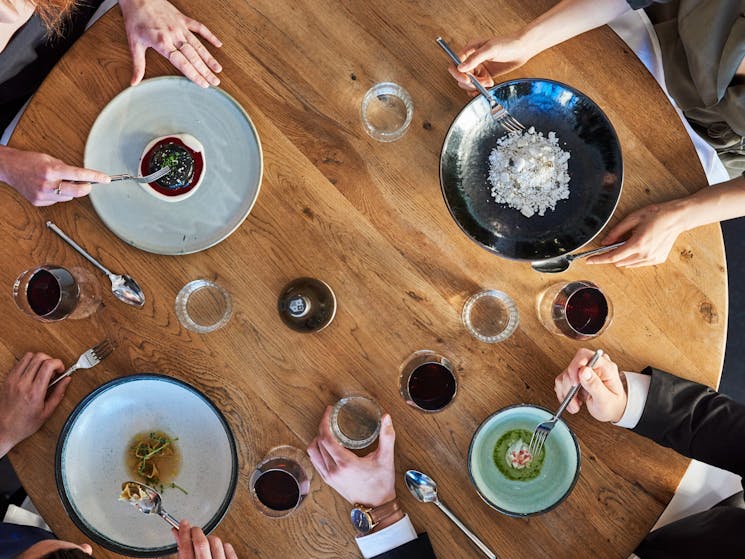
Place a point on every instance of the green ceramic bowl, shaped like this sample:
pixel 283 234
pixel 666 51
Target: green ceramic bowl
pixel 523 498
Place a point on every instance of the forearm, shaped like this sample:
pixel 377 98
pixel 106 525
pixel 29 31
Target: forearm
pixel 568 19
pixel 711 204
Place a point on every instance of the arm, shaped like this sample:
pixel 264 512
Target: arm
pixel 486 58
pixel 655 228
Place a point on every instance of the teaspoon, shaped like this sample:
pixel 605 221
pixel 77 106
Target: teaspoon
pixel 123 286
pixel 424 489
pixel 562 263
pixel 148 501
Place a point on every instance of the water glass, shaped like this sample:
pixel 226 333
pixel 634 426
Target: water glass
pixel 577 309
pixel 490 316
pixel 355 421
pixel 281 481
pixel 50 293
pixel 387 110
pixel 428 381
pixel 203 306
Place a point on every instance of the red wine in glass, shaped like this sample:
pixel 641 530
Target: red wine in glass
pixel 47 293
pixel 432 386
pixel 277 490
pixel 307 305
pixel 586 311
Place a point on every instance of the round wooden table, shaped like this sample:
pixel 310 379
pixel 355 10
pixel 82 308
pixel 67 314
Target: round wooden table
pixel 368 218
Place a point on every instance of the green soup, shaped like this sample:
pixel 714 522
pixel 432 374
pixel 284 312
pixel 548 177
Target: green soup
pixel 531 470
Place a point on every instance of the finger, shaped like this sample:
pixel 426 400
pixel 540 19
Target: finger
pixel 621 228
pixel 78 174
pixel 630 261
pixel 328 459
pixel 182 64
pixel 21 366
pixel 48 369
pixel 200 544
pixel 54 397
pixel 29 375
pixel 328 442
pixel 317 459
pixel 386 440
pixel 230 552
pixel 477 57
pixel 199 28
pixel 191 54
pixel 72 190
pixel 216 547
pixel 183 539
pixel 138 62
pixel 204 54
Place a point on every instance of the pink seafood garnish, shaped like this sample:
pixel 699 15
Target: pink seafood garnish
pixel 518 455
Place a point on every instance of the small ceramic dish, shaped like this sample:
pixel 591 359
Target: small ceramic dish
pixel 512 497
pixel 187 162
pixel 92 449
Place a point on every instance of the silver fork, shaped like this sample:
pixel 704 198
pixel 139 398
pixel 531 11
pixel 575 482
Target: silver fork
pixel 89 359
pixel 542 431
pixel 500 114
pixel 152 177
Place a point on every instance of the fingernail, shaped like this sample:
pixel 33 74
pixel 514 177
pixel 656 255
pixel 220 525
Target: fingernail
pixel 386 419
pixel 586 374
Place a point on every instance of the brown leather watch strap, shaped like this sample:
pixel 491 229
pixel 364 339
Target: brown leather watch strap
pixel 378 514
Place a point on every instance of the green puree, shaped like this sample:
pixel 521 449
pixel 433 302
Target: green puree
pixel 531 470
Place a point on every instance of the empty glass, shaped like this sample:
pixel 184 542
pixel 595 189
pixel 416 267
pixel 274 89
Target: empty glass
pixel 387 110
pixel 281 481
pixel 50 293
pixel 577 309
pixel 490 316
pixel 355 421
pixel 428 381
pixel 203 306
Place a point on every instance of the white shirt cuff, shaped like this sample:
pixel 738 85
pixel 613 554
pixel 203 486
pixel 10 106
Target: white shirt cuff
pixel 390 537
pixel 637 388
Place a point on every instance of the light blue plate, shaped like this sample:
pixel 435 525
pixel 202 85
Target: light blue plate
pixel 233 165
pixel 523 498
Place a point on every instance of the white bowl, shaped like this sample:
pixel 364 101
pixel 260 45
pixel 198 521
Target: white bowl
pixel 90 462
pixel 193 144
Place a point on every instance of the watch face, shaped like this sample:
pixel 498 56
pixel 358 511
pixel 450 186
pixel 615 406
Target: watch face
pixel 361 520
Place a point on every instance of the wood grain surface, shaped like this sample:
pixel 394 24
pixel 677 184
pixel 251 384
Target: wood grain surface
pixel 368 218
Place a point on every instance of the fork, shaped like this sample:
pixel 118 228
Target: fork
pixel 152 177
pixel 89 359
pixel 500 114
pixel 542 431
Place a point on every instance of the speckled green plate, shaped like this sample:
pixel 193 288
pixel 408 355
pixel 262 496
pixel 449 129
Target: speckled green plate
pixel 233 165
pixel 523 498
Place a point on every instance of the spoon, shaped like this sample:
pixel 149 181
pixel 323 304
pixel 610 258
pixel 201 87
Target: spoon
pixel 424 489
pixel 123 287
pixel 562 263
pixel 149 502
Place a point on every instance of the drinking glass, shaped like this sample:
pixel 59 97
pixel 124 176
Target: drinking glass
pixel 50 293
pixel 355 421
pixel 203 306
pixel 307 305
pixel 490 316
pixel 281 481
pixel 576 309
pixel 428 381
pixel 387 110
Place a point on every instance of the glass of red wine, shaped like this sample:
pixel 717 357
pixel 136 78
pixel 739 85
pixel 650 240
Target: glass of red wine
pixel 50 293
pixel 281 481
pixel 577 309
pixel 428 381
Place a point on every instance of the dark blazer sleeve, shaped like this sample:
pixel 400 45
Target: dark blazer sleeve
pixel 419 548
pixel 694 420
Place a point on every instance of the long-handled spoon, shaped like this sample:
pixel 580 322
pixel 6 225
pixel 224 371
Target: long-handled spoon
pixel 562 263
pixel 424 489
pixel 123 287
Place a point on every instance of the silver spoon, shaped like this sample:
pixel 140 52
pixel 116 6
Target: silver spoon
pixel 149 503
pixel 562 263
pixel 123 287
pixel 424 489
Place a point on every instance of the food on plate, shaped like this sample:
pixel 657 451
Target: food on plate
pixel 153 458
pixel 513 459
pixel 184 155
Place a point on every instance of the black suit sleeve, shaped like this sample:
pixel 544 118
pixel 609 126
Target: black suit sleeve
pixel 695 421
pixel 419 548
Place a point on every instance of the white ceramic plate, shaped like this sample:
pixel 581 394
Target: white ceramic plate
pixel 233 170
pixel 90 462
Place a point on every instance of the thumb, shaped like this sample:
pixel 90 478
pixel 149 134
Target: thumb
pixel 386 440
pixel 593 384
pixel 55 396
pixel 477 57
pixel 138 62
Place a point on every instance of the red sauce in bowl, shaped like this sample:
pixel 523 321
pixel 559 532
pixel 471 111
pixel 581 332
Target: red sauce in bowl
pixel 178 191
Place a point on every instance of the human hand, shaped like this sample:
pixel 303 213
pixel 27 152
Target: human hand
pixel 24 402
pixel 368 480
pixel 602 389
pixel 654 231
pixel 193 544
pixel 486 58
pixel 45 180
pixel 158 25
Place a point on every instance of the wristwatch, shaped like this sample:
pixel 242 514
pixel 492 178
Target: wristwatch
pixel 364 519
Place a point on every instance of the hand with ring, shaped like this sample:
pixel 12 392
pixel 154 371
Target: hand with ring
pixel 45 180
pixel 157 24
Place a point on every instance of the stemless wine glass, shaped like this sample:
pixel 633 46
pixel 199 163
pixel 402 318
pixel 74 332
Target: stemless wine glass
pixel 576 309
pixel 428 381
pixel 203 306
pixel 355 421
pixel 387 110
pixel 51 292
pixel 490 316
pixel 281 481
